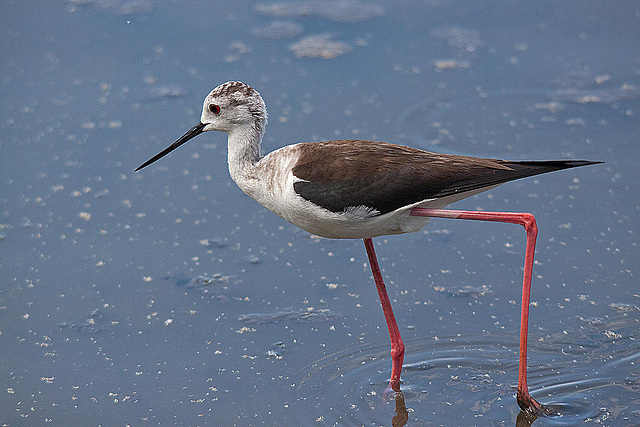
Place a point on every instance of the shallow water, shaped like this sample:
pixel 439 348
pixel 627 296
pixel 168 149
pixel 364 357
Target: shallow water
pixel 168 296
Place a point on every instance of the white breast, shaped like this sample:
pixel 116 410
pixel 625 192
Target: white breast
pixel 270 182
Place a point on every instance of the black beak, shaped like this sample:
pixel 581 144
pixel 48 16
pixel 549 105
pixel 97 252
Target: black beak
pixel 191 133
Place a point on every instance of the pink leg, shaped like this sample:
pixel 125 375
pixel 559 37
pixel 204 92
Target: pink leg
pixel 525 401
pixel 397 346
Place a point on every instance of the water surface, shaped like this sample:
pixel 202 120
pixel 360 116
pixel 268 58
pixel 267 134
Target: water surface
pixel 168 296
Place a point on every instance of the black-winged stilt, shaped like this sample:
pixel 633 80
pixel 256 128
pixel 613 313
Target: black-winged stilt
pixel 353 189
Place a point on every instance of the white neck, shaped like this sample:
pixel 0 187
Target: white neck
pixel 243 152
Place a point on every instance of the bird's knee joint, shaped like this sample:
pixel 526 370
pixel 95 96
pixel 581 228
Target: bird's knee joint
pixel 397 351
pixel 529 221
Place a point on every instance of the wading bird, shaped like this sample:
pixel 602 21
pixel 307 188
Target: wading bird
pixel 353 189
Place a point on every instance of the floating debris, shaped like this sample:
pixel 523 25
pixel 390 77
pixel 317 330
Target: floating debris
pixel 552 107
pixel 290 314
pixel 240 47
pixel 632 383
pixel 483 382
pixel 202 281
pixel 460 38
pixel 79 327
pixel 97 321
pixel 85 215
pixel 451 64
pixel 334 10
pixel 621 306
pixel 465 291
pixel 133 7
pixel 253 259
pixel 625 92
pixel 585 87
pixel 166 92
pixel 581 79
pixel 215 242
pixel 612 335
pixel 419 366
pixel 594 321
pixel 120 7
pixel 319 46
pixel 276 351
pixel 237 49
pixel 277 30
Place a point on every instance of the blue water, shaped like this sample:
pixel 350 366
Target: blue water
pixel 168 296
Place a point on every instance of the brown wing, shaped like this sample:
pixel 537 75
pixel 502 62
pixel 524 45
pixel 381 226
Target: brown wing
pixel 347 173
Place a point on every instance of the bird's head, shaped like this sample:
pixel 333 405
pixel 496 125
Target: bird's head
pixel 233 105
pixel 230 107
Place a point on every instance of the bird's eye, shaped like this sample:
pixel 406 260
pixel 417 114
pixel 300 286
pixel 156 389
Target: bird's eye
pixel 215 109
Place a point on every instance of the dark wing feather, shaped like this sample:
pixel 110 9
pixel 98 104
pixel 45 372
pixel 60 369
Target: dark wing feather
pixel 517 170
pixel 347 173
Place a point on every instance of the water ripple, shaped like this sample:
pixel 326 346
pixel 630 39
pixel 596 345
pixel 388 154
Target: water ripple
pixel 473 379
